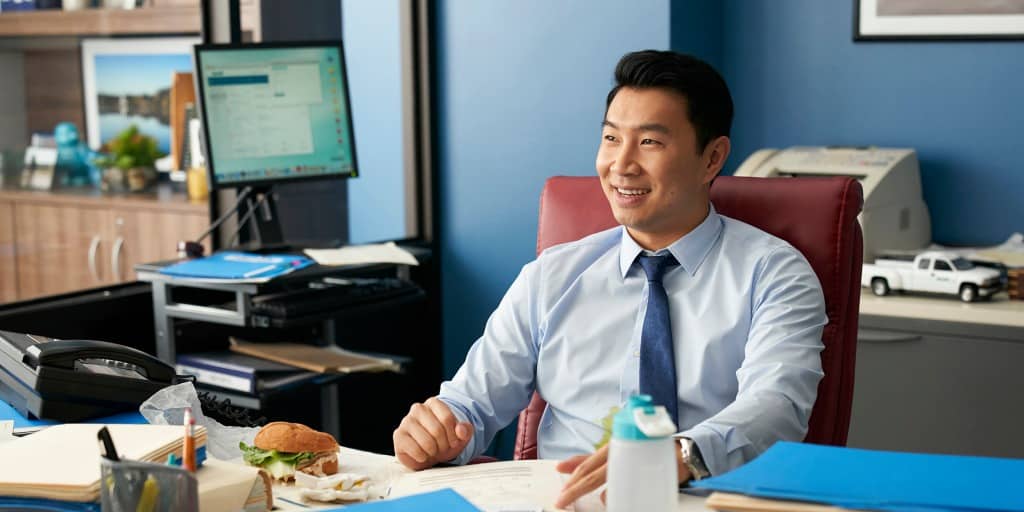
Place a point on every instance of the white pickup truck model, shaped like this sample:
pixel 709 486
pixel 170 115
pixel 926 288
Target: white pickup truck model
pixel 931 272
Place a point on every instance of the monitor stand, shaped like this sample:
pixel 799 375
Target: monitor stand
pixel 265 220
pixel 266 225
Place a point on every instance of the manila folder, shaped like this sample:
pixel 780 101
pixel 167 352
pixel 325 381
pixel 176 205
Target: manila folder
pixel 317 359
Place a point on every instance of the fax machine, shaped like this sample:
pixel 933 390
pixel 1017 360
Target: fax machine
pixel 894 216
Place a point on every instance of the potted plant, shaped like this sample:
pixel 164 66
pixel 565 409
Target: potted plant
pixel 128 161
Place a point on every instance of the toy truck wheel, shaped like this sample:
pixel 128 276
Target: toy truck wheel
pixel 968 293
pixel 880 286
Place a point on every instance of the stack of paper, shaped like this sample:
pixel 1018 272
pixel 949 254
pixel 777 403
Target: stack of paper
pixel 363 254
pixel 63 462
pixel 511 485
pixel 874 480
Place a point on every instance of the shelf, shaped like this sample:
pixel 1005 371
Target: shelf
pixel 108 22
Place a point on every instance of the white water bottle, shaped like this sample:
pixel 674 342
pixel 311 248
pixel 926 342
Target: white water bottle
pixel 642 471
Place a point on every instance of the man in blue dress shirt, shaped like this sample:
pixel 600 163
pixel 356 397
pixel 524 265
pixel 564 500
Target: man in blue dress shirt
pixel 735 312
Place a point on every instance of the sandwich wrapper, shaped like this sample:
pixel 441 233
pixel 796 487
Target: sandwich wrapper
pixel 167 407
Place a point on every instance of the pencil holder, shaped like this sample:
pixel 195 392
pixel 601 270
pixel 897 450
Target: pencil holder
pixel 129 486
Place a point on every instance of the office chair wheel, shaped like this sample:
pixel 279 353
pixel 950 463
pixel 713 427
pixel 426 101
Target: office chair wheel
pixel 968 293
pixel 880 286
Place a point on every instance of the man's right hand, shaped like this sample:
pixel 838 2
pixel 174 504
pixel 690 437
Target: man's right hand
pixel 430 434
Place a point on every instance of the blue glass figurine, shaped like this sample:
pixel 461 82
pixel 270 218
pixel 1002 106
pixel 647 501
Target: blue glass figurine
pixel 74 159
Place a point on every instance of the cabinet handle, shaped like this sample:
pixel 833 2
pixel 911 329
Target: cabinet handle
pixel 94 245
pixel 115 259
pixel 886 337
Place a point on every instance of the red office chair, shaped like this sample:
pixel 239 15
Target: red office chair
pixel 818 216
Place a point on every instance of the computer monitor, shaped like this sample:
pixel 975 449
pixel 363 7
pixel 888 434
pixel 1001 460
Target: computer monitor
pixel 275 112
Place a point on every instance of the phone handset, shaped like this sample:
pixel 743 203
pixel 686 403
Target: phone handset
pixel 68 353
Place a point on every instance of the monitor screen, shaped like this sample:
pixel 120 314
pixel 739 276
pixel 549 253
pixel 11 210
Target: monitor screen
pixel 275 112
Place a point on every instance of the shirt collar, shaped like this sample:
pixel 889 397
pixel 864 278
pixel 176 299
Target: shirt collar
pixel 690 250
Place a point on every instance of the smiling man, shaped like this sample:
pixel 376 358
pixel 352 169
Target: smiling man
pixel 718 321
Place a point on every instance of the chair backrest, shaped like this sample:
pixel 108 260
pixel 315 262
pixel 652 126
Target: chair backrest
pixel 818 216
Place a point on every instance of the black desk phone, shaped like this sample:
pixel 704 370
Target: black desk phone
pixel 73 380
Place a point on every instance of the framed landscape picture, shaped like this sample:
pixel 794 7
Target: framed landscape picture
pixel 128 81
pixel 938 19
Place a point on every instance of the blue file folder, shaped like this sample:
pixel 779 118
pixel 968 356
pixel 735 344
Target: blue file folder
pixel 444 499
pixel 238 266
pixel 877 480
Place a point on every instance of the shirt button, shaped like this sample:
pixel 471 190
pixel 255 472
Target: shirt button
pixel 636 354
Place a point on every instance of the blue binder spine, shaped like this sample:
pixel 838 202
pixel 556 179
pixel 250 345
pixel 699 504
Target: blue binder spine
pixel 222 375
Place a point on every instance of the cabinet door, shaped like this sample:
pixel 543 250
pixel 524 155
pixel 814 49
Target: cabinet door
pixel 60 248
pixel 143 236
pixel 940 394
pixel 8 270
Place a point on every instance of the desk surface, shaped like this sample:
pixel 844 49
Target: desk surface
pixel 384 468
pixel 1000 310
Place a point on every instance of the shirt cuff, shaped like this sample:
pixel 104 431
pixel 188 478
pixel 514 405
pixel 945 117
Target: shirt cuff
pixel 467 452
pixel 710 449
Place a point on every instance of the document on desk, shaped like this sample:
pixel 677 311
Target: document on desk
pixel 494 487
pixel 363 254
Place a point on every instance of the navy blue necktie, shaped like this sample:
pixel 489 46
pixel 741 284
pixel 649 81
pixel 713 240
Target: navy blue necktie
pixel 657 354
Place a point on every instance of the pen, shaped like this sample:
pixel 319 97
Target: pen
pixel 259 271
pixel 188 448
pixel 107 445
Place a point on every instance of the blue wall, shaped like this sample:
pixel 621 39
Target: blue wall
pixel 797 77
pixel 520 89
pixel 376 198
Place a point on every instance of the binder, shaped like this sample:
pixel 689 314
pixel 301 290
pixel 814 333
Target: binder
pixel 239 372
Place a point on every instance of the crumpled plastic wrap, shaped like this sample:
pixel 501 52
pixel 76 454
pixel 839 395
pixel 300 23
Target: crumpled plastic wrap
pixel 167 407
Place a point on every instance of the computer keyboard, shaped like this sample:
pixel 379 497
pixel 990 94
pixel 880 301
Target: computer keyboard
pixel 332 295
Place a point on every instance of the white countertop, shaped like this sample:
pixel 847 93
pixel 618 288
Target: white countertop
pixel 999 310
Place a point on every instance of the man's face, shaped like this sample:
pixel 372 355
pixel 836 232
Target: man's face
pixel 652 172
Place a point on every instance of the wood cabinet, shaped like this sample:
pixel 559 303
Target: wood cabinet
pixel 8 277
pixel 72 241
pixel 178 17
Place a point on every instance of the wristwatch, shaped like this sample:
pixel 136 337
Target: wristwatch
pixel 692 459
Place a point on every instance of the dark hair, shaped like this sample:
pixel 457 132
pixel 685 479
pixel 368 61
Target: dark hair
pixel 708 102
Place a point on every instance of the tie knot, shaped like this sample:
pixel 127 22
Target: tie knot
pixel 655 266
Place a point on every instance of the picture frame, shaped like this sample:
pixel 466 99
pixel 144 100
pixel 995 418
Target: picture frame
pixel 124 81
pixel 931 20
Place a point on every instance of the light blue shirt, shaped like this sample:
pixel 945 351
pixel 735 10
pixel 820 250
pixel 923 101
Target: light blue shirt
pixel 747 315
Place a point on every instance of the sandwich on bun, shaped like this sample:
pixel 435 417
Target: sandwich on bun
pixel 282 448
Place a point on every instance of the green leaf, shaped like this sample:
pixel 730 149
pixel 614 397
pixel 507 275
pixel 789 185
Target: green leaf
pixel 257 457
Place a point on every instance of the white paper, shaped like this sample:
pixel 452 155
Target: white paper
pixel 362 254
pixel 494 486
pixel 7 431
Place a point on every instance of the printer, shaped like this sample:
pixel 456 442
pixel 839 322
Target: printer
pixel 894 215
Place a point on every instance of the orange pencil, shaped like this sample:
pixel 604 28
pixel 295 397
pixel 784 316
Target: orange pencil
pixel 188 449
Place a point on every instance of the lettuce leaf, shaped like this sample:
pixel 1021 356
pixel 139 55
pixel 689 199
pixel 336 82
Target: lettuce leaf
pixel 257 457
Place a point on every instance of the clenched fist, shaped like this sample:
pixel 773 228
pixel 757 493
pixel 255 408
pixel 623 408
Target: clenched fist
pixel 430 434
